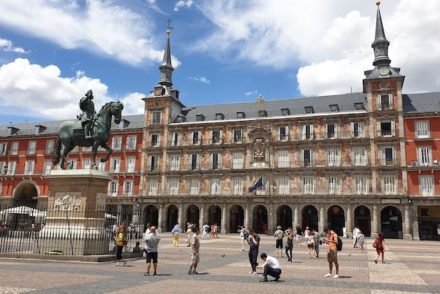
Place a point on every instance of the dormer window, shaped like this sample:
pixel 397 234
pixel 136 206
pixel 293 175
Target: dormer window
pixel 39 129
pixel 124 124
pixel 334 107
pixel 12 130
pixel 200 117
pixel 309 109
pixel 241 115
pixel 219 116
pixel 262 113
pixel 359 106
pixel 285 111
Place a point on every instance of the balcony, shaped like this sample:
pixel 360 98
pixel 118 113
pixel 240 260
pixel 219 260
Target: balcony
pixel 415 165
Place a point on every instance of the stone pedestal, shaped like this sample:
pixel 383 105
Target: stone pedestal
pixel 75 222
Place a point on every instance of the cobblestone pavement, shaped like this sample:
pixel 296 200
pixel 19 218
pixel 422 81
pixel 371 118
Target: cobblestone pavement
pixel 411 267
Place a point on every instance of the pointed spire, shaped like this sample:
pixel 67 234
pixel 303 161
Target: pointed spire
pixel 166 68
pixel 380 43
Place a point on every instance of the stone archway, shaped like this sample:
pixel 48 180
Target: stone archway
pixel 236 218
pixel 25 194
pixel 309 217
pixel 336 219
pixel 259 219
pixel 192 215
pixel 391 222
pixel 362 220
pixel 151 216
pixel 284 217
pixel 214 215
pixel 172 217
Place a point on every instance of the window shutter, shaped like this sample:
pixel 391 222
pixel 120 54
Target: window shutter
pixel 302 156
pixel 383 157
pixel 379 105
pixel 378 128
pixel 221 136
pixel 303 134
pixel 382 185
pixel 390 97
pixel 326 131
pixel 336 130
pixel 311 157
pixel 393 128
pixel 352 129
pixel 287 133
pixel 312 134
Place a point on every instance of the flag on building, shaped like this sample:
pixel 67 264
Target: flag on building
pixel 256 184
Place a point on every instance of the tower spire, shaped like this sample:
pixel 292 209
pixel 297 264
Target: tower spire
pixel 166 68
pixel 380 43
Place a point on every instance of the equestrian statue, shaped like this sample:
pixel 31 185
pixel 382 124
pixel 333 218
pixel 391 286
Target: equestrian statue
pixel 89 130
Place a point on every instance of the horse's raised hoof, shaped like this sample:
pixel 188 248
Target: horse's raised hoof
pixel 103 160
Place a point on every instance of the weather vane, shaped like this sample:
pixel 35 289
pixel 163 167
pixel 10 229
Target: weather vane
pixel 169 27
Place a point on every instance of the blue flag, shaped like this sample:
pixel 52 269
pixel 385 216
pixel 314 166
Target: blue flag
pixel 256 184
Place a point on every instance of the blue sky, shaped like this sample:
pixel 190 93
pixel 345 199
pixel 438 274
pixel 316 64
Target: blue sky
pixel 53 51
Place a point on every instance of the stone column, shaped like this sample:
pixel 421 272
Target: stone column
pixel 223 224
pixel 348 223
pixel 202 216
pixel 407 224
pixel 375 222
pixel 270 219
pixel 160 223
pixel 321 219
pixel 415 223
pixel 246 216
pixel 295 217
pixel 181 218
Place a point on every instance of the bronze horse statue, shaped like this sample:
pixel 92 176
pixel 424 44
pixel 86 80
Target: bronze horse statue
pixel 71 134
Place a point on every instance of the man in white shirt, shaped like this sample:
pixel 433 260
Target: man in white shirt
pixel 271 267
pixel 151 243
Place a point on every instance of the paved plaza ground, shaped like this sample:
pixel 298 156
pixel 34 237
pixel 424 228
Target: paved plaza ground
pixel 411 267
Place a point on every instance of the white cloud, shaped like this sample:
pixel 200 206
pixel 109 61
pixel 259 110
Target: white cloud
pixel 330 40
pixel 251 93
pixel 200 79
pixel 101 27
pixel 8 46
pixel 182 4
pixel 42 91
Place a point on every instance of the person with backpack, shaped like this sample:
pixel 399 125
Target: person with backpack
pixel 332 242
pixel 279 236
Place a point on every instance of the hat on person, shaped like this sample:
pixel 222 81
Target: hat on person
pixel 278 227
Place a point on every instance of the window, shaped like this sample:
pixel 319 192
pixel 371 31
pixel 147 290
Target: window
pixel 237 160
pixel 422 129
pixel 307 132
pixel 128 187
pixel 285 111
pixel 334 184
pixel 74 163
pixel 238 136
pixel 131 143
pixel 174 186
pixel 130 164
pixel 262 113
pixel 156 117
pixel 101 165
pixel 215 187
pixel 154 140
pixel 306 157
pixel 86 163
pixel 175 140
pixel 283 158
pixel 113 188
pixel 359 106
pixel 385 102
pixel 200 117
pixel 333 157
pixel 11 168
pixel 334 107
pixel 194 163
pixel 426 185
pixel 215 136
pixel 424 155
pixel 216 160
pixel 3 149
pixel 389 185
pixel 116 143
pixel 283 133
pixel 194 185
pixel 32 148
pixel 283 185
pixel 237 187
pixel 219 116
pixel 14 148
pixel 386 128
pixel 308 185
pixel 174 162
pixel 309 109
pixel 152 186
pixel 360 156
pixel 115 165
pixel 387 156
pixel 3 168
pixel 196 138
pixel 29 167
pixel 357 129
pixel 49 146
pixel 154 163
pixel 47 167
pixel 361 185
pixel 241 115
pixel 331 131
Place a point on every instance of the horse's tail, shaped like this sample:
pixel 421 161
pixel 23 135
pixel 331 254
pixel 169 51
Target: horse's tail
pixel 57 157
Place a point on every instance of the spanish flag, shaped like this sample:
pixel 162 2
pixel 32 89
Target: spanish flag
pixel 256 184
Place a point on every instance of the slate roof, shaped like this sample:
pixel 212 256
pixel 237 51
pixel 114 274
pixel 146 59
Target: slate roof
pixel 421 103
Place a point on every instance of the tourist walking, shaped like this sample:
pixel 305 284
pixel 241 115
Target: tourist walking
pixel 356 232
pixel 244 234
pixel 310 242
pixel 120 242
pixel 205 231
pixel 254 244
pixel 317 240
pixel 195 249
pixel 289 245
pixel 298 234
pixel 360 241
pixel 279 237
pixel 152 240
pixel 380 247
pixel 214 229
pixel 271 267
pixel 176 231
pixel 332 254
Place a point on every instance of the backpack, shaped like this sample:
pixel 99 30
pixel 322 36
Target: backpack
pixel 339 245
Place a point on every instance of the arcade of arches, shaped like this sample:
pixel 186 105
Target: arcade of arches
pixel 392 220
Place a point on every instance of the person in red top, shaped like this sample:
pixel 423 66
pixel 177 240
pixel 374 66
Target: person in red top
pixel 332 254
pixel 379 245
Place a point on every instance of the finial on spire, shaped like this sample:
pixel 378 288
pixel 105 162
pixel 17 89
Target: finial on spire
pixel 169 27
pixel 378 2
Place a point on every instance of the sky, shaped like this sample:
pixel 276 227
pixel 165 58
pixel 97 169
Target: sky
pixel 53 51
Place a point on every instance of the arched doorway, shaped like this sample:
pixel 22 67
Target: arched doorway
pixel 172 217
pixel 25 194
pixel 192 215
pixel 284 217
pixel 362 220
pixel 309 217
pixel 214 215
pixel 236 218
pixel 391 222
pixel 336 219
pixel 259 219
pixel 151 216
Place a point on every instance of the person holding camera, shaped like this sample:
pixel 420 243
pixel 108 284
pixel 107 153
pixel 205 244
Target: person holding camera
pixel 289 245
pixel 254 244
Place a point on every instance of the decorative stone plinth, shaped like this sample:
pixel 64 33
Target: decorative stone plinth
pixel 75 222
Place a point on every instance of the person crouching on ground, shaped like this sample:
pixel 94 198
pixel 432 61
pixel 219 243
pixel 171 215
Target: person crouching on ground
pixel 271 267
pixel 151 243
pixel 195 249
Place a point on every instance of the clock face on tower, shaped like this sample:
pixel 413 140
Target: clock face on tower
pixel 384 70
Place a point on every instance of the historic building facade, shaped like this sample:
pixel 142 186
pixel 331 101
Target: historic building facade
pixel 339 161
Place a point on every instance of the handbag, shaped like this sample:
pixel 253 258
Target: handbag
pixel 374 244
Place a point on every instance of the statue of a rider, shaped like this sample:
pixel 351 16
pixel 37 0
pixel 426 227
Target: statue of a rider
pixel 87 118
